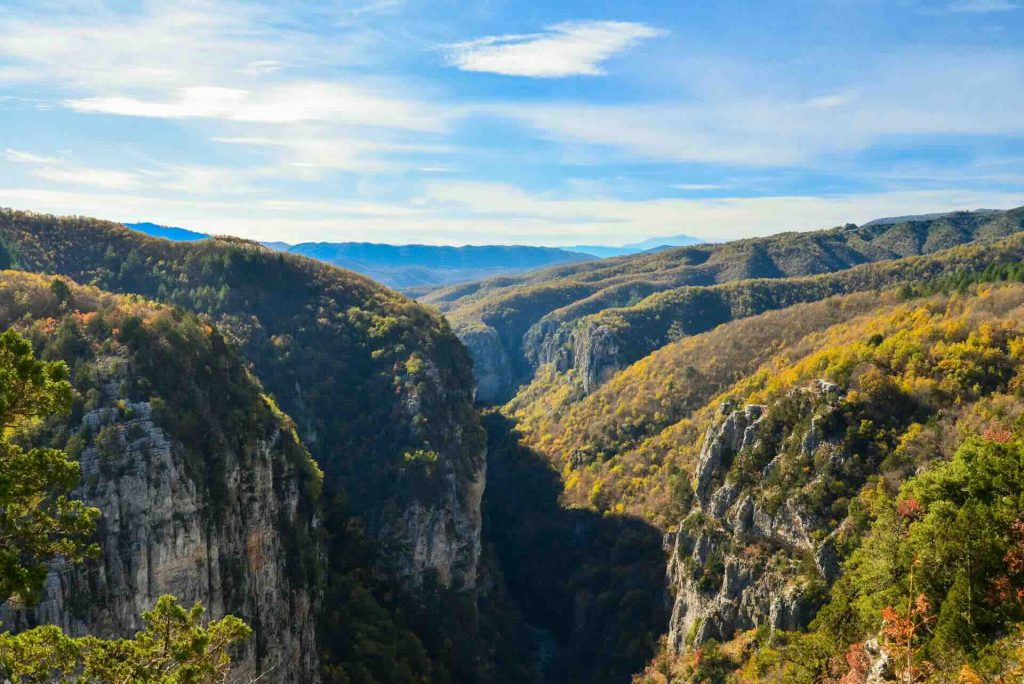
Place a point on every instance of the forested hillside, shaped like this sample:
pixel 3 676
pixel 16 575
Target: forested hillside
pixel 573 315
pixel 806 477
pixel 873 467
pixel 380 392
pixel 813 466
pixel 205 491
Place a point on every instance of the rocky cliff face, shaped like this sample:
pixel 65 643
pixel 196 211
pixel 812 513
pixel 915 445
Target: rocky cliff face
pixel 588 348
pixel 440 537
pixel 491 364
pixel 162 533
pixel 595 355
pixel 735 561
pixel 436 527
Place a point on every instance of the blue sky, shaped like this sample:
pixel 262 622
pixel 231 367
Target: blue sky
pixel 510 122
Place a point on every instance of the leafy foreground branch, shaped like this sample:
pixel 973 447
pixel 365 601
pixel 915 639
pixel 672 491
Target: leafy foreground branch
pixel 174 647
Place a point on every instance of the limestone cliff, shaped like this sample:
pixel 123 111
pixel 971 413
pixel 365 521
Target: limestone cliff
pixel 437 525
pixel 588 348
pixel 221 507
pixel 744 558
pixel 161 535
pixel 491 365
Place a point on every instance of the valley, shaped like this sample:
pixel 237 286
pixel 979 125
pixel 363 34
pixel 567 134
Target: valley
pixel 724 463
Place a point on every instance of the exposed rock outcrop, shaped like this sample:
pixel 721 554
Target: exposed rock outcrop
pixel 734 563
pixel 491 364
pixel 595 355
pixel 591 350
pixel 162 532
pixel 442 540
pixel 435 528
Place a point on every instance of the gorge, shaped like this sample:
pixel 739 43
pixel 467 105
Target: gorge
pixel 679 466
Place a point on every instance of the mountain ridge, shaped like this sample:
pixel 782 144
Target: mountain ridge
pixel 379 390
pixel 405 267
pixel 510 324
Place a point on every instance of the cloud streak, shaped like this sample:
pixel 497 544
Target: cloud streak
pixel 567 49
pixel 288 103
pixel 766 121
pixel 489 213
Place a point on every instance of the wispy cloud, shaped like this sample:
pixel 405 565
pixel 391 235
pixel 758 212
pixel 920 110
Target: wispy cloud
pixel 491 213
pixel 201 59
pixel 765 120
pixel 289 103
pixel 62 170
pixel 698 187
pixel 256 72
pixel 188 179
pixel 567 49
pixel 377 7
pixel 22 157
pixel 544 217
pixel 345 154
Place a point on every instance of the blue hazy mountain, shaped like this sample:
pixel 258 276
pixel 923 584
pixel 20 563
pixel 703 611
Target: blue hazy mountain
pixel 406 266
pixel 415 266
pixel 649 245
pixel 167 232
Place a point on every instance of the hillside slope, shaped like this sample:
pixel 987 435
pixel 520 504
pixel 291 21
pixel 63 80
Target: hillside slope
pixel 772 449
pixel 205 490
pixel 511 325
pixel 378 386
pixel 848 458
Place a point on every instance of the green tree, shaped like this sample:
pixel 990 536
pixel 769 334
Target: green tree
pixel 174 647
pixel 37 519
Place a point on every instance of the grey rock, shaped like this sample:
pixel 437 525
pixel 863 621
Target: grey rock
pixel 161 534
pixel 722 442
pixel 754 547
pixel 491 364
pixel 595 355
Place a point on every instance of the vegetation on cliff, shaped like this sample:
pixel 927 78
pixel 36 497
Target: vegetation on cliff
pixel 648 300
pixel 380 391
pixel 41 522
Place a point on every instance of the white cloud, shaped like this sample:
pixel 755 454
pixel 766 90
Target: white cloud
pixel 202 59
pixel 378 7
pixel 544 219
pixel 696 187
pixel 567 49
pixel 22 157
pixel 289 103
pixel 61 170
pixel 484 213
pixel 324 152
pixel 98 178
pixel 163 45
pixel 764 120
pixel 189 179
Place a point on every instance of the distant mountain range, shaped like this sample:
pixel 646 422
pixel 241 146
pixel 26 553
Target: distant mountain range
pixel 419 267
pixel 167 232
pixel 649 245
pixel 416 266
pixel 406 267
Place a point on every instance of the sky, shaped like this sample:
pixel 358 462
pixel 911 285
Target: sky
pixel 492 122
